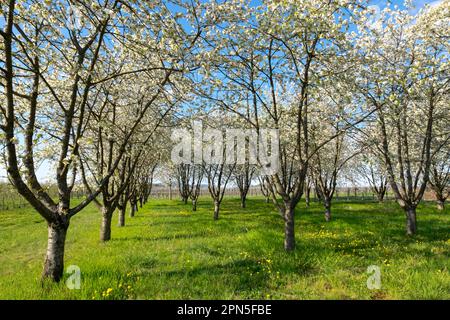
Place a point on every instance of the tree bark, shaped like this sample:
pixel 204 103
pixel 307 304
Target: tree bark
pixel 170 191
pixel 440 205
pixel 216 210
pixel 243 202
pixel 194 205
pixel 54 258
pixel 411 222
pixel 289 232
pixel 327 211
pixel 318 195
pixel 308 196
pixel 122 216
pixel 132 210
pixel 105 231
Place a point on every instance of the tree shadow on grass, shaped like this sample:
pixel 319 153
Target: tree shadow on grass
pixel 242 275
pixel 165 238
pixel 163 223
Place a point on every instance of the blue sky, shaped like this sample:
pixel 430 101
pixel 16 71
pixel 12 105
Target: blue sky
pixel 417 3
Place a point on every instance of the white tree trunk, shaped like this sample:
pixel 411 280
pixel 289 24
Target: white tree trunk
pixel 54 258
pixel 216 210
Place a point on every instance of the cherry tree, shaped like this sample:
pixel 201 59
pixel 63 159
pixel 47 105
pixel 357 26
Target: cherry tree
pixel 140 184
pixel 368 167
pixel 326 166
pixel 196 185
pixel 440 180
pixel 271 57
pixel 243 177
pixel 264 188
pixel 218 168
pixel 49 64
pixel 331 111
pixel 404 75
pixel 185 178
pixel 218 176
pixel 55 57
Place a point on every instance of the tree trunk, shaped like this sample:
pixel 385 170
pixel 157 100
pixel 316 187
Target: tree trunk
pixel 122 216
pixel 327 210
pixel 54 258
pixel 411 222
pixel 289 232
pixel 194 205
pixel 267 200
pixel 440 205
pixel 105 231
pixel 141 200
pixel 133 209
pixel 170 191
pixel 318 195
pixel 243 200
pixel 307 196
pixel 380 197
pixel 216 210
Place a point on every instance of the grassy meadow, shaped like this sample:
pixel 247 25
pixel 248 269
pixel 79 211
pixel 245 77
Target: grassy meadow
pixel 169 252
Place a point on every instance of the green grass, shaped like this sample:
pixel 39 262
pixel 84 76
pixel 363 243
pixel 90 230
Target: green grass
pixel 168 252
